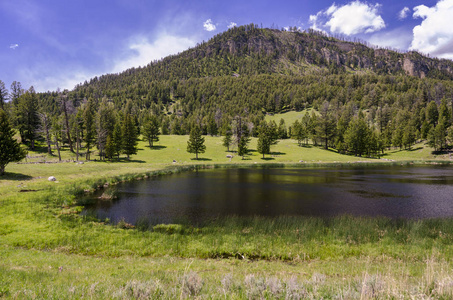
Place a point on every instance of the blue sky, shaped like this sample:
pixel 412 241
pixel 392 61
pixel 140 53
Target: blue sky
pixel 52 44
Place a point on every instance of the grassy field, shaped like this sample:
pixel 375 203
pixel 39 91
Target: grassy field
pixel 48 250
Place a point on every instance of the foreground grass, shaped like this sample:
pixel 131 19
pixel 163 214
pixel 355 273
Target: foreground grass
pixel 42 274
pixel 41 231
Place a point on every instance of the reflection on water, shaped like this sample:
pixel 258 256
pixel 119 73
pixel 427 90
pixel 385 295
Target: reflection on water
pixel 409 192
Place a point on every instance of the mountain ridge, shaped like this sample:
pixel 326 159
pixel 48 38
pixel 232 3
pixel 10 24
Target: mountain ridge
pixel 250 50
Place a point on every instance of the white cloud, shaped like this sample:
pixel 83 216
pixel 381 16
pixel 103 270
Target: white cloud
pixel 13 46
pixel 435 34
pixel 141 51
pixel 352 18
pixel 208 25
pixel 399 39
pixel 404 13
pixel 232 24
pixel 54 77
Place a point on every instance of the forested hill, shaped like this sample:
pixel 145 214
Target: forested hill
pixel 249 50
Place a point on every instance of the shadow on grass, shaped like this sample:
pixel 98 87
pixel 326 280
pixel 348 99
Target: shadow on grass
pixel 201 159
pixel 121 160
pixel 441 152
pixel 246 158
pixel 267 158
pixel 15 176
pixel 414 149
pixel 277 153
pixel 157 147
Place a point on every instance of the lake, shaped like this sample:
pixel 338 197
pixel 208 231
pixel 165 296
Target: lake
pixel 196 196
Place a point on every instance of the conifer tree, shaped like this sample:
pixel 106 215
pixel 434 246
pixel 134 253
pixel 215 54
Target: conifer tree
pixel 195 144
pixel 116 142
pixel 228 139
pixel 3 95
pixel 243 146
pixel 356 137
pixel 267 136
pixel 90 129
pixel 151 130
pixel 27 117
pixel 129 133
pixel 10 149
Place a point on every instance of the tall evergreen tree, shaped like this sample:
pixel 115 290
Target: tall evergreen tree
pixel 151 130
pixel 90 127
pixel 3 95
pixel 267 136
pixel 10 149
pixel 27 117
pixel 57 133
pixel 117 140
pixel 356 136
pixel 195 144
pixel 243 146
pixel 129 133
pixel 45 129
pixel 66 109
pixel 326 125
pixel 228 138
pixel 16 91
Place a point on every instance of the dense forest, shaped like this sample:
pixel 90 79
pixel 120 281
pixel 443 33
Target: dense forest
pixel 359 100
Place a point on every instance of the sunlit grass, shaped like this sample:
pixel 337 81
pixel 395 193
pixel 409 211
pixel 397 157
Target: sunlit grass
pixel 41 230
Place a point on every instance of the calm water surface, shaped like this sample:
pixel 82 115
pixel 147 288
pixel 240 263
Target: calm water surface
pixel 409 192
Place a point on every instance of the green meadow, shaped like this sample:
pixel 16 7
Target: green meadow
pixel 49 250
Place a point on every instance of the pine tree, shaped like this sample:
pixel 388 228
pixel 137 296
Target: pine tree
pixel 27 117
pixel 10 149
pixel 57 133
pixel 228 139
pixel 263 145
pixel 356 137
pixel 129 133
pixel 151 130
pixel 3 95
pixel 282 131
pixel 243 146
pixel 298 132
pixel 195 144
pixel 90 129
pixel 267 136
pixel 117 140
pixel 325 126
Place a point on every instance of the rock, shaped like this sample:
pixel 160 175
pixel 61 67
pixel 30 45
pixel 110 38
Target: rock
pixel 229 156
pixel 174 161
pixel 52 178
pixel 80 163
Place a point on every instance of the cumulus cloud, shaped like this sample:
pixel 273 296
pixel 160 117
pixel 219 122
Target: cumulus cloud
pixel 404 13
pixel 141 51
pixel 208 25
pixel 352 18
pixel 435 34
pixel 232 24
pixel 13 46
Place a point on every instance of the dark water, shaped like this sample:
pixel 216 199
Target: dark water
pixel 408 192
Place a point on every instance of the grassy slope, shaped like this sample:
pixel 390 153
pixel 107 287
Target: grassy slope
pixel 45 220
